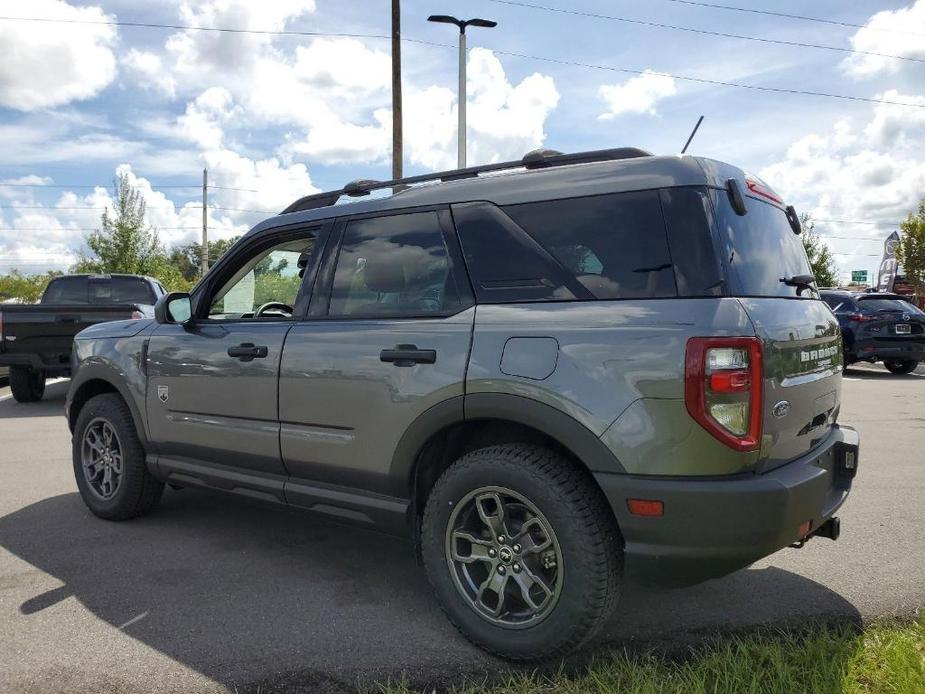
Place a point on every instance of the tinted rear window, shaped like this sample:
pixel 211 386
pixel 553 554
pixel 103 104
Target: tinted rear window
pixel 760 248
pixel 886 305
pixel 121 290
pixel 67 290
pixel 614 245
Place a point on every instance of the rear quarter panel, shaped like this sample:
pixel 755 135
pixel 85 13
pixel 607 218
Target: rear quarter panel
pixel 617 367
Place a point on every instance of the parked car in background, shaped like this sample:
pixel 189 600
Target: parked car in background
pixel 36 339
pixel 578 368
pixel 879 327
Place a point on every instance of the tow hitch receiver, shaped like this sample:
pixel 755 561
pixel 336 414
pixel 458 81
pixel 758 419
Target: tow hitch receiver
pixel 830 529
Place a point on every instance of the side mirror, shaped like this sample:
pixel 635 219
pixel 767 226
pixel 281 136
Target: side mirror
pixel 175 307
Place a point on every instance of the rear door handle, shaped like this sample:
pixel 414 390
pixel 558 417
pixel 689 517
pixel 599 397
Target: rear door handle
pixel 408 355
pixel 248 351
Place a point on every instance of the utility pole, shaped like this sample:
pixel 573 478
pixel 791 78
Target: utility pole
pixel 461 105
pixel 396 91
pixel 204 265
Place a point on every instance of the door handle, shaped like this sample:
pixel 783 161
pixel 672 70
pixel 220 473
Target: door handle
pixel 408 355
pixel 248 351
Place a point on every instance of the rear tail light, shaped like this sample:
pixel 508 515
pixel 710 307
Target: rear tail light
pixel 860 317
pixel 722 388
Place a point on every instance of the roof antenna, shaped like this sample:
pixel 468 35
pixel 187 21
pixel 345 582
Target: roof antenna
pixel 694 132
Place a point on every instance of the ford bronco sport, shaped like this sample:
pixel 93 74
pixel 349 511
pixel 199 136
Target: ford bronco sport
pixel 551 373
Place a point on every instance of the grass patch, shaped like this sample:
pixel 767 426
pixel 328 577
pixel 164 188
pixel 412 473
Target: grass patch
pixel 887 657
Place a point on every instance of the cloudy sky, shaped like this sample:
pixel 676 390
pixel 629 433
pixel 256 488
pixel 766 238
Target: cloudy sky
pixel 276 116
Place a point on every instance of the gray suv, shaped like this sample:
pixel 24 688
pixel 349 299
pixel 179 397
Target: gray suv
pixel 552 374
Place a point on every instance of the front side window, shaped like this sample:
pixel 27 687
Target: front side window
pixel 266 283
pixel 393 266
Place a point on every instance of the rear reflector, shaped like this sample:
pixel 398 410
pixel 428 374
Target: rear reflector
pixel 645 507
pixel 804 528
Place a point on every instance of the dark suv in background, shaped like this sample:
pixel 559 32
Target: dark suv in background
pixel 879 327
pixel 545 372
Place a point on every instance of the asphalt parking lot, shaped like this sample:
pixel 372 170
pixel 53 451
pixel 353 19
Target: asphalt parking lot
pixel 211 593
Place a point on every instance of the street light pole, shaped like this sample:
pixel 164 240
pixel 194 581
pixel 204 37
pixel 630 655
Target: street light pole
pixel 461 105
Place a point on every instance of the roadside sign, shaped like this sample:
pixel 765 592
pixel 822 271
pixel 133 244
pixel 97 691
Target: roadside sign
pixel 859 276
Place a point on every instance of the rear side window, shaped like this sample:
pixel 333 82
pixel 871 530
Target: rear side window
pixel 67 290
pixel 121 290
pixel 393 266
pixel 689 216
pixel 760 249
pixel 614 245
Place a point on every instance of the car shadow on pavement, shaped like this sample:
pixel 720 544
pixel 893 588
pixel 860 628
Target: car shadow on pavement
pixel 869 373
pixel 51 405
pixel 265 598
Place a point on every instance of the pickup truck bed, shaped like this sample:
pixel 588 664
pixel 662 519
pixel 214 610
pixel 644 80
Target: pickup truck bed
pixel 36 339
pixel 39 336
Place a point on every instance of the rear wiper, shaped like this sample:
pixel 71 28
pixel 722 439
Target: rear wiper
pixel 799 281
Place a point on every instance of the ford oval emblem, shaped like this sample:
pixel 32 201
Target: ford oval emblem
pixel 781 409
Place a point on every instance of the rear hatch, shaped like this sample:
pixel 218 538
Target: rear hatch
pixel 801 341
pixel 889 320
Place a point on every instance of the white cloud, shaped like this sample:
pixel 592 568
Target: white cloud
pixel 504 122
pixel 150 71
pixel 890 32
pixel 873 172
pixel 47 64
pixel 637 95
pixel 892 125
pixel 203 122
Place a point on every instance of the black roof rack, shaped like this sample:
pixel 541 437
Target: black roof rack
pixel 537 159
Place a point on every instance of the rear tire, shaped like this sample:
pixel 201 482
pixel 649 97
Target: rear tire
pixel 26 384
pixel 901 366
pixel 569 540
pixel 109 461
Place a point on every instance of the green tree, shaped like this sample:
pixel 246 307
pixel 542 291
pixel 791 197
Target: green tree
pixel 910 251
pixel 27 288
pixel 126 243
pixel 188 258
pixel 820 255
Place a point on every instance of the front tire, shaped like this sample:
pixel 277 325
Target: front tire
pixel 109 461
pixel 522 551
pixel 27 385
pixel 901 366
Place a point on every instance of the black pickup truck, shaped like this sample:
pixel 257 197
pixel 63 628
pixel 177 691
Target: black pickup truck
pixel 35 339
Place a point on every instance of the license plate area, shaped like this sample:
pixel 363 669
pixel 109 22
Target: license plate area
pixel 903 329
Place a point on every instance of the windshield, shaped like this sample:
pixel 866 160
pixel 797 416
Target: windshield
pixel 760 249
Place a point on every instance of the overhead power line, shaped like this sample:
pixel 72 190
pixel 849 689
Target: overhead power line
pixel 707 32
pixel 525 56
pixel 792 16
pixel 186 27
pixel 703 80
pixel 100 185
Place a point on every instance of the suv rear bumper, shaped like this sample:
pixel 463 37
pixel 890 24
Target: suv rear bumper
pixel 879 349
pixel 711 527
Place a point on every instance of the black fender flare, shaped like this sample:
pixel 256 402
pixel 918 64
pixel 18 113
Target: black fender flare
pixel 558 425
pixel 99 371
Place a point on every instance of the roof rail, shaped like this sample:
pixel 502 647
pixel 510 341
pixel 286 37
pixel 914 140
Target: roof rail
pixel 536 159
